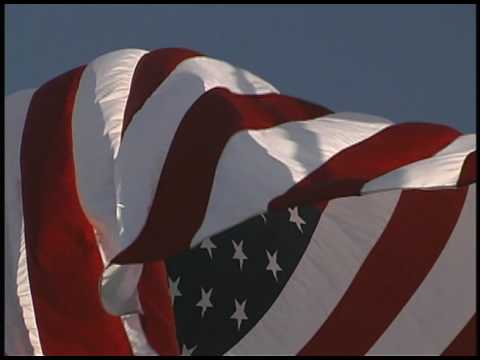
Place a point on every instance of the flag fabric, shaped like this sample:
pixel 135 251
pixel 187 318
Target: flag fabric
pixel 166 202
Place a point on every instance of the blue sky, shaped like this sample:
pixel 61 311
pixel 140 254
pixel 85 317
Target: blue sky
pixel 403 62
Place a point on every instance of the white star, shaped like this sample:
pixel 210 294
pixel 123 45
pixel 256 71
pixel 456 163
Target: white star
pixel 295 218
pixel 174 288
pixel 264 218
pixel 239 313
pixel 273 265
pixel 209 245
pixel 204 302
pixel 186 351
pixel 239 254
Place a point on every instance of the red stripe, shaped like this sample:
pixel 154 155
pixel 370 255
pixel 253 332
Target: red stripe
pixel 187 176
pixel 347 171
pixel 63 259
pixel 468 175
pixel 465 344
pixel 152 69
pixel 396 266
pixel 158 320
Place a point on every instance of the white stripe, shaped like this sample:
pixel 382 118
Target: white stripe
pixel 97 123
pixel 25 297
pixel 21 332
pixel 440 171
pixel 286 154
pixel 131 322
pixel 136 336
pixel 347 231
pixel 445 301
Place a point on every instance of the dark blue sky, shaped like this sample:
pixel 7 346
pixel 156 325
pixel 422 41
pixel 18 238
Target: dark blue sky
pixel 404 62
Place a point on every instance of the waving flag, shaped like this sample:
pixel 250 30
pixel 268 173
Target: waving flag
pixel 227 218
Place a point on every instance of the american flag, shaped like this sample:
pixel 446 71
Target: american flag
pixel 167 202
pixel 223 288
pixel 275 284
